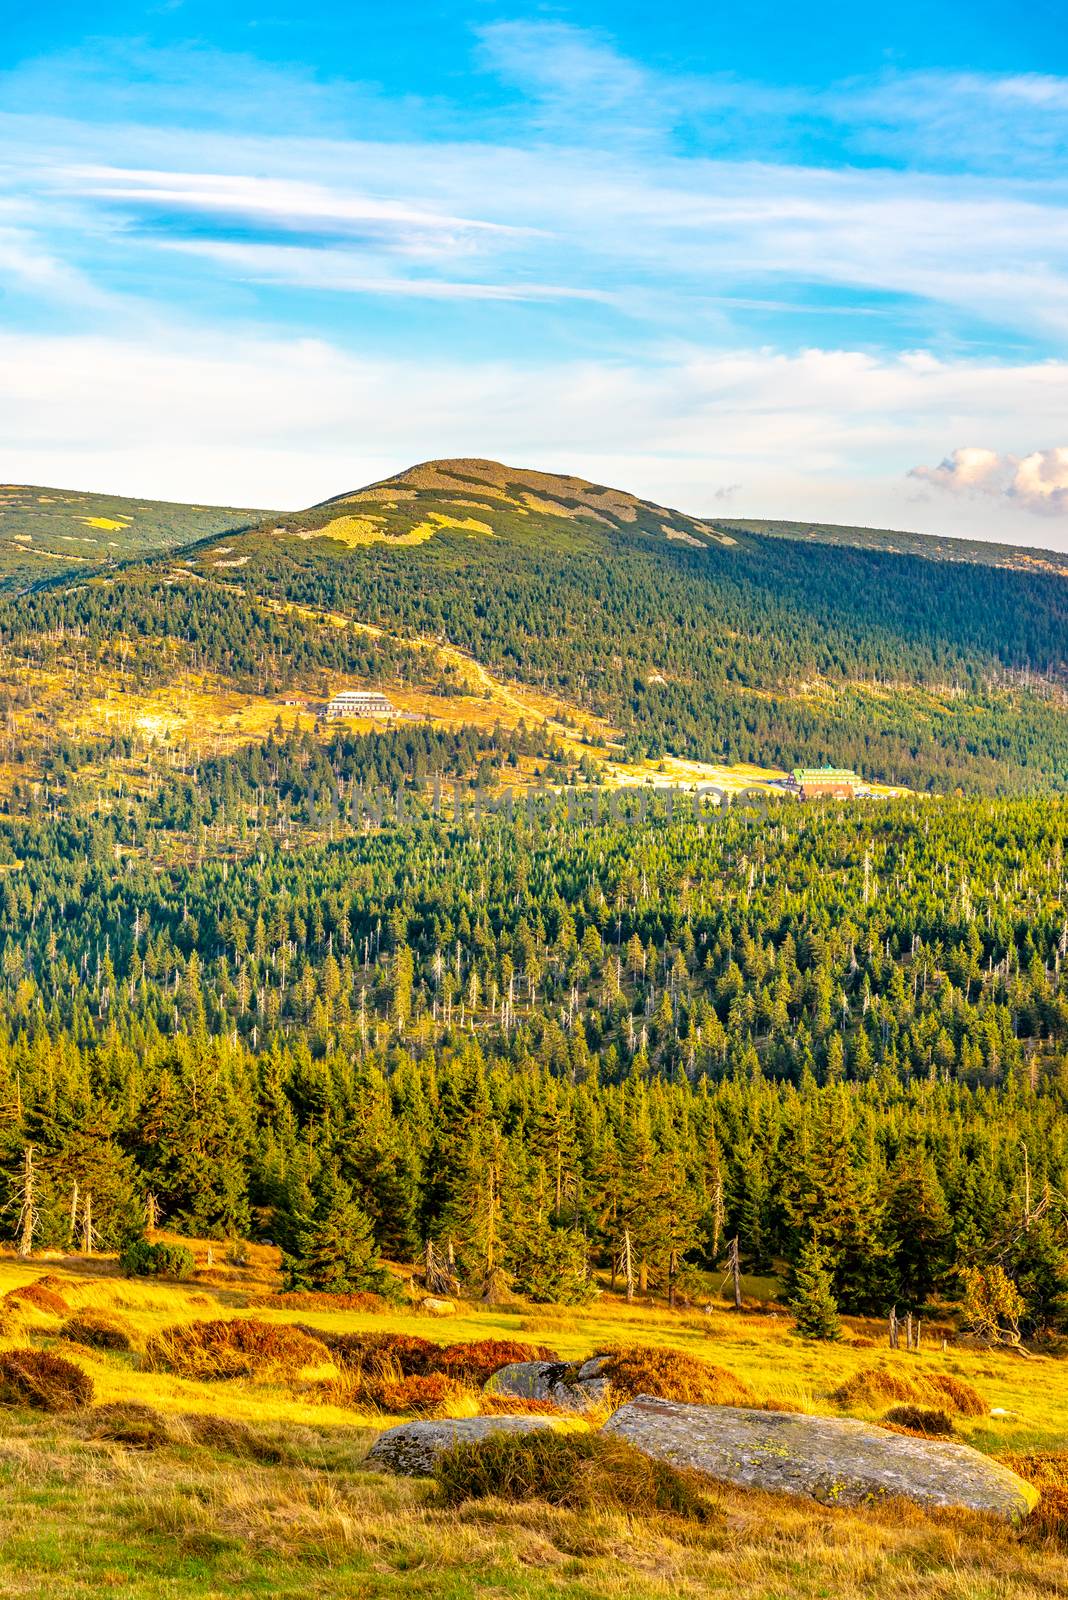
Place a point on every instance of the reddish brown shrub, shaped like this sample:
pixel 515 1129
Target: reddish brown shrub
pixel 405 1354
pixel 237 1348
pixel 317 1300
pixel 481 1358
pixel 422 1397
pixel 38 1378
pixel 673 1375
pixel 41 1296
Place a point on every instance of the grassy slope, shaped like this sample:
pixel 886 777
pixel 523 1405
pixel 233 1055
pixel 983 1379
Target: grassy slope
pixel 45 533
pixel 79 1514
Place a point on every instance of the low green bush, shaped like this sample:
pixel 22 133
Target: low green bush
pixel 142 1259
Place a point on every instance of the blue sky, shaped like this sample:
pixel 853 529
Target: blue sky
pixel 764 260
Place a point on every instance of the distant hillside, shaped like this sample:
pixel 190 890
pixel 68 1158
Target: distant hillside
pixel 931 546
pixel 46 532
pixel 688 639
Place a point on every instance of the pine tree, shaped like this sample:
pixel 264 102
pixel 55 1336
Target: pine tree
pixel 336 1252
pixel 812 1300
pixel 918 1225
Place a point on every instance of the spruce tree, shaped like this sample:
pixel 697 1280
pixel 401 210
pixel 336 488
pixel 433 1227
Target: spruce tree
pixel 812 1301
pixel 336 1252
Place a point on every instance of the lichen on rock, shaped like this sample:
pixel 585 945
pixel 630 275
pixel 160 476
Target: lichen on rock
pixel 836 1460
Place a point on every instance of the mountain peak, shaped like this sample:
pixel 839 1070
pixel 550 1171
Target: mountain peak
pixel 478 481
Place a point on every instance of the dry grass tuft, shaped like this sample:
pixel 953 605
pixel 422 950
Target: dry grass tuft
pixel 128 1422
pixel 510 1405
pixel 925 1420
pixel 549 1322
pixel 580 1471
pixel 673 1375
pixel 40 1295
pixel 99 1330
pixel 959 1395
pixel 234 1438
pixel 1048 1471
pixel 873 1387
pixel 237 1348
pixel 45 1381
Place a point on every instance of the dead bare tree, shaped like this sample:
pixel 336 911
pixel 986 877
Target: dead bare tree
pixel 735 1265
pixel 626 1264
pixel 28 1200
pixel 89 1233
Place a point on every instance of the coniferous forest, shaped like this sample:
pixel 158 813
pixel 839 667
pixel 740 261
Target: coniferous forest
pixel 521 1038
pixel 281 992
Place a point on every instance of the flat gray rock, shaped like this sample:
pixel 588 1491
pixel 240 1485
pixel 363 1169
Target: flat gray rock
pixel 562 1383
pixel 410 1448
pixel 836 1460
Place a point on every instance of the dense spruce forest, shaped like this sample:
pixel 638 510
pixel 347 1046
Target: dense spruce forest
pixel 245 999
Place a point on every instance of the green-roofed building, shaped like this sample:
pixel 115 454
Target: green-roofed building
pixel 836 782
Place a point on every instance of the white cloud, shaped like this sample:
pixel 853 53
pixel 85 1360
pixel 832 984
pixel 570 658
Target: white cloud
pixel 348 272
pixel 262 421
pixel 1038 482
pixel 283 204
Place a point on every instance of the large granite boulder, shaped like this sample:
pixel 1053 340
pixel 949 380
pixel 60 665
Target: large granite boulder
pixel 410 1448
pixel 836 1460
pixel 563 1383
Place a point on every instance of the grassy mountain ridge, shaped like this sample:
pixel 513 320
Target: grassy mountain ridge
pixel 933 547
pixel 46 533
pixel 741 647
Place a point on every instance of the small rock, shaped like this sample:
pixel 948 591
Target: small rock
pixel 562 1383
pixel 836 1460
pixel 437 1308
pixel 410 1448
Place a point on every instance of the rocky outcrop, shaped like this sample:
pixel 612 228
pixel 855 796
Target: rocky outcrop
pixel 433 1306
pixel 836 1460
pixel 572 1387
pixel 410 1448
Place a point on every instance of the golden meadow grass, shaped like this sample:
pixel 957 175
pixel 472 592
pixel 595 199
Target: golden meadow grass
pixel 178 1486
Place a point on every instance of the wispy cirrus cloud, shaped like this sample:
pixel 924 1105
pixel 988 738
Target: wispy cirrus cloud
pixel 283 205
pixel 347 273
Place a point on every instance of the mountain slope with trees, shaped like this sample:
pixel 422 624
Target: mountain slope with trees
pixel 734 647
